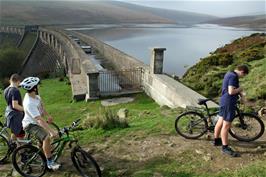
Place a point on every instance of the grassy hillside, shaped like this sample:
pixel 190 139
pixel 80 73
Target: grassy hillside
pixel 149 147
pixel 90 12
pixel 206 76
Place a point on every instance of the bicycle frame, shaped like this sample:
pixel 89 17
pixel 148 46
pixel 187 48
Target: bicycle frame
pixel 238 114
pixel 58 151
pixel 209 115
pixel 63 141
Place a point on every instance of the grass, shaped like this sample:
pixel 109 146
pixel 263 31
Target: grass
pixel 206 76
pixel 147 120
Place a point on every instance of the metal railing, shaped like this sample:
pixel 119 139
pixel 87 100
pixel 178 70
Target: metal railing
pixel 120 82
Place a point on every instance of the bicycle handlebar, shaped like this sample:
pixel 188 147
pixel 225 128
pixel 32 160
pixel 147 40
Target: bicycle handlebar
pixel 67 129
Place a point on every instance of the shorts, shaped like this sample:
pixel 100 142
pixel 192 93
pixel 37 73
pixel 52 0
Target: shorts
pixel 14 122
pixel 228 112
pixel 37 131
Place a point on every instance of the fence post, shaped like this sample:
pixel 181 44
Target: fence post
pixel 93 86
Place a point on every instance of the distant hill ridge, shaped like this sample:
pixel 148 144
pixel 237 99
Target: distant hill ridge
pixel 91 12
pixel 252 21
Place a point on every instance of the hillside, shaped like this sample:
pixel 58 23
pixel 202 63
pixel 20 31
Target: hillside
pixel 254 22
pixel 179 17
pixel 90 12
pixel 206 76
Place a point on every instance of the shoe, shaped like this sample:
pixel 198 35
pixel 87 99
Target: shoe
pixel 230 152
pixel 12 145
pixel 217 142
pixel 53 165
pixel 24 158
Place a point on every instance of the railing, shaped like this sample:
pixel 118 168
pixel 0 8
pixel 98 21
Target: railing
pixel 120 82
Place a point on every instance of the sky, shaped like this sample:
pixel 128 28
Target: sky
pixel 225 8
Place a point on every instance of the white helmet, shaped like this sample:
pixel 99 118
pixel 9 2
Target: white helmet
pixel 29 82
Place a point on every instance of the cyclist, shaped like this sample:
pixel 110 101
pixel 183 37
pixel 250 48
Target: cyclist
pixel 33 121
pixel 14 110
pixel 228 101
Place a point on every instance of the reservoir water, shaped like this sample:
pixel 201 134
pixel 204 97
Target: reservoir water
pixel 184 45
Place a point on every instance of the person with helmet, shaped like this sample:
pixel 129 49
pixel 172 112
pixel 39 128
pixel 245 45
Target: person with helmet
pixel 14 110
pixel 33 121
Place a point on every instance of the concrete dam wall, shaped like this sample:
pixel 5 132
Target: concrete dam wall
pixel 55 50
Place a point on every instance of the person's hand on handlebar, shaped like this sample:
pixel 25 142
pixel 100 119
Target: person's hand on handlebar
pixel 49 119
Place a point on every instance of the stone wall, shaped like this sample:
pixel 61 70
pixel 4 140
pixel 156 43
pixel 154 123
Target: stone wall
pixel 167 91
pixel 162 88
pixel 84 75
pixel 119 59
pixel 76 62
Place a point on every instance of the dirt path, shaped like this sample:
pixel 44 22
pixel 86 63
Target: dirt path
pixel 134 152
pixel 137 151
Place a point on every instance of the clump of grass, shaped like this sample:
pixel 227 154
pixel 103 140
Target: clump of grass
pixel 106 120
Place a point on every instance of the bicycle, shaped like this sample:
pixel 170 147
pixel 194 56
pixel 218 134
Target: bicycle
pixel 193 124
pixel 29 161
pixel 7 146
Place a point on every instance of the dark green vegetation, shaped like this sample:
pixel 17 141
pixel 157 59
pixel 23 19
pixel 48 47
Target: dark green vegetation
pixel 149 146
pixel 8 39
pixel 106 119
pixel 91 12
pixel 11 56
pixel 207 75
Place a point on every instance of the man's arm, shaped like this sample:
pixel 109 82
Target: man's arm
pixel 45 113
pixel 234 91
pixel 15 97
pixel 16 106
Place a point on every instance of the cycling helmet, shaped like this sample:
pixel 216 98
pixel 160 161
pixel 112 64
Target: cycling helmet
pixel 29 82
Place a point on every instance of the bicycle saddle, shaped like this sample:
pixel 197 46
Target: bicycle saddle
pixel 203 101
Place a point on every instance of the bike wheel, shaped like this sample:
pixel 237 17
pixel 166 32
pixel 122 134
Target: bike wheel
pixel 251 129
pixel 191 125
pixel 4 148
pixel 29 161
pixel 85 163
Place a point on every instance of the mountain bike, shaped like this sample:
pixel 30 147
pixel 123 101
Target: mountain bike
pixel 7 146
pixel 29 160
pixel 193 124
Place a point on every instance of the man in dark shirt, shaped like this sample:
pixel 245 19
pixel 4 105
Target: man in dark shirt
pixel 228 101
pixel 14 110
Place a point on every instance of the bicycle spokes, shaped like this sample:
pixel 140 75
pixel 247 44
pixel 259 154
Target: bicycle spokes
pixel 29 162
pixel 191 125
pixel 247 127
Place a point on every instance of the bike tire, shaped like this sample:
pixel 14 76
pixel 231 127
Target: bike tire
pixel 243 134
pixel 4 149
pixel 183 120
pixel 85 163
pixel 21 157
